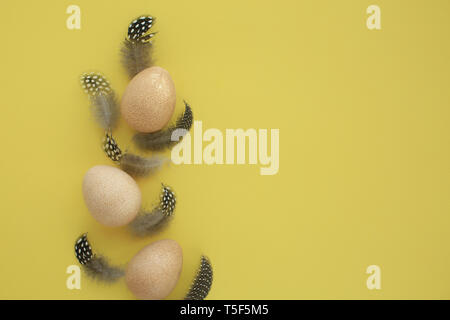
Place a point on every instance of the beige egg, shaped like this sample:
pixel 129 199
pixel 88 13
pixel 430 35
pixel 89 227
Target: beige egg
pixel 111 195
pixel 154 271
pixel 149 100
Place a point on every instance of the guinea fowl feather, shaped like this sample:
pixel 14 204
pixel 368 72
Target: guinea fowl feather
pixel 148 223
pixel 99 268
pixel 136 56
pixel 138 166
pixel 133 164
pixel 202 282
pixel 137 47
pixel 95 266
pixel 165 139
pixel 103 100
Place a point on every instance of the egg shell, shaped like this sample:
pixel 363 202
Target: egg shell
pixel 111 195
pixel 149 100
pixel 154 271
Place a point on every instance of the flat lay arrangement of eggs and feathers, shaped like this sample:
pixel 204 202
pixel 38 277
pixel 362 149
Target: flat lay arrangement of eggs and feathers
pixel 363 173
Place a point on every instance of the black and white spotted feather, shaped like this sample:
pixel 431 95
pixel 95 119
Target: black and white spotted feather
pixel 167 201
pixel 166 138
pixel 111 148
pixel 95 266
pixel 106 112
pixel 133 164
pixel 139 29
pixel 102 98
pixel 202 282
pixel 137 47
pixel 147 223
pixel 83 250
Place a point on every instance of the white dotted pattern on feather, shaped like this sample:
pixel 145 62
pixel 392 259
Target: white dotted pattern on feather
pixel 111 148
pixel 202 282
pixel 94 83
pixel 186 119
pixel 83 250
pixel 138 30
pixel 168 201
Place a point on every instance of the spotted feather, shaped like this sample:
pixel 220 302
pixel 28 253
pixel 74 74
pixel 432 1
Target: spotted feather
pixel 202 283
pixel 83 250
pixel 168 201
pixel 165 139
pixel 95 266
pixel 103 99
pixel 111 148
pixel 137 47
pixel 95 83
pixel 133 164
pixel 148 223
pixel 138 30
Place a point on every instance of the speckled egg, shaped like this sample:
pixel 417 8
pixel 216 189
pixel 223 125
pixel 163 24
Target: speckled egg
pixel 111 195
pixel 154 271
pixel 149 100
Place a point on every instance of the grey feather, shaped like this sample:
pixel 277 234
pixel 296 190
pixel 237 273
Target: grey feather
pixel 95 266
pixel 137 47
pixel 99 269
pixel 138 166
pixel 103 99
pixel 147 223
pixel 136 56
pixel 105 110
pixel 202 282
pixel 161 140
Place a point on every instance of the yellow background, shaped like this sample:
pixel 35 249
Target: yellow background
pixel 364 145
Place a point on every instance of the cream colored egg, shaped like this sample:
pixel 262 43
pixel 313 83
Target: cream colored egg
pixel 149 100
pixel 111 195
pixel 154 271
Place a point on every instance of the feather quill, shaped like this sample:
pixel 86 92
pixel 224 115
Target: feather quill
pixel 95 266
pixel 103 99
pixel 147 223
pixel 137 47
pixel 165 139
pixel 202 282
